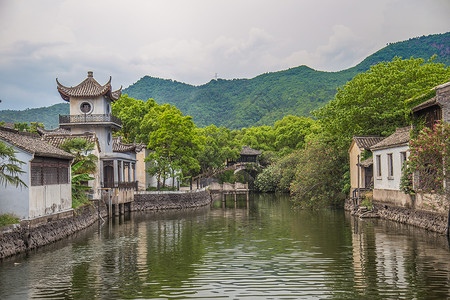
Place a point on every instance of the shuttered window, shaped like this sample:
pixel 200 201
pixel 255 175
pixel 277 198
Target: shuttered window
pixel 48 171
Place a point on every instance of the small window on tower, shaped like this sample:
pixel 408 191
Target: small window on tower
pixel 85 107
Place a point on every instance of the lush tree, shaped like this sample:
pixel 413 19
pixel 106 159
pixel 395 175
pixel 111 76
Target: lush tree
pixel 79 187
pixel 218 146
pixel 132 113
pixel 374 102
pixel 319 176
pixel 81 149
pixel 290 132
pixel 261 138
pixel 175 144
pixel 10 166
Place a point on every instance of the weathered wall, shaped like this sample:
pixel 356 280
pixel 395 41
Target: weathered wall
pixel 353 153
pixel 393 197
pixel 436 222
pixel 155 201
pixel 50 199
pixel 30 235
pixel 15 200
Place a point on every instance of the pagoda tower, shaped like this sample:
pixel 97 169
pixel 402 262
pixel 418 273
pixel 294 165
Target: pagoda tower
pixel 90 110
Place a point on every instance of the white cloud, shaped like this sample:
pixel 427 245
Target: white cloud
pixel 192 40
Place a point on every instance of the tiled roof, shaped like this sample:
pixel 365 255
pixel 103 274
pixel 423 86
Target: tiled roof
pixel 88 88
pixel 8 125
pixel 32 143
pixel 366 163
pixel 366 141
pixel 57 139
pixel 118 146
pixel 57 131
pixel 428 103
pixel 246 150
pixel 400 137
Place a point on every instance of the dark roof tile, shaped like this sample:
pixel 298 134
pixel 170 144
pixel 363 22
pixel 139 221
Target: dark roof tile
pixel 400 137
pixel 32 143
pixel 88 88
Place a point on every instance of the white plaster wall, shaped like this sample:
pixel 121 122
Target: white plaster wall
pixel 50 199
pixel 384 182
pixel 99 105
pixel 14 199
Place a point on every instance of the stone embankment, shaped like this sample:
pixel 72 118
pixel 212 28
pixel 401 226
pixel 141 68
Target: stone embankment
pixel 29 235
pixel 422 219
pixel 158 201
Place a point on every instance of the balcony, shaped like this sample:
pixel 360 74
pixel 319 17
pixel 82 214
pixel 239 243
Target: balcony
pixel 89 119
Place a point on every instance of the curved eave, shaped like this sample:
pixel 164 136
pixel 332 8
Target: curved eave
pixel 102 90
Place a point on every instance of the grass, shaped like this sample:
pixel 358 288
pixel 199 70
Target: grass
pixel 7 219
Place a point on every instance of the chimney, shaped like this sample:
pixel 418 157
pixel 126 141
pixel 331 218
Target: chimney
pixel 90 74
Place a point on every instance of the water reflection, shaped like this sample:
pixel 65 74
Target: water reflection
pixel 262 248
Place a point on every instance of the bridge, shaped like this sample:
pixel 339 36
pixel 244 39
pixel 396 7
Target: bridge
pixel 229 189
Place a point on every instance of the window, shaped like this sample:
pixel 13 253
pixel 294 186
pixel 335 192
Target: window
pixel 403 158
pixel 48 171
pixel 390 165
pixel 86 107
pixel 378 161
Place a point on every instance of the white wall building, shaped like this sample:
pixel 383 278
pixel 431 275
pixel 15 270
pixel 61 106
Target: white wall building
pixel 46 174
pixel 389 156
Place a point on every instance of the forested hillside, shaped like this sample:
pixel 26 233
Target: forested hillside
pixel 267 98
pixel 45 115
pixel 261 100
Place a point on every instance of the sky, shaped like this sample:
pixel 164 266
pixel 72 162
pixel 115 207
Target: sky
pixel 192 41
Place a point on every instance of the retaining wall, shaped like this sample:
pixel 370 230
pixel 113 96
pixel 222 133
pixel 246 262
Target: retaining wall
pixel 436 222
pixel 29 235
pixel 158 201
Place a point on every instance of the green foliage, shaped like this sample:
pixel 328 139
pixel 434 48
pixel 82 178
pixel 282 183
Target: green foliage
pixel 7 219
pixel 218 146
pixel 10 166
pixel 21 126
pixel 79 188
pixel 279 176
pixel 137 118
pixel 230 177
pixel 374 101
pixel 366 202
pixel 81 148
pixel 290 132
pixel 429 158
pixel 175 144
pixel 318 180
pixel 406 181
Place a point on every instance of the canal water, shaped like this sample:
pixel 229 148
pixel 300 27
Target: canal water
pixel 260 249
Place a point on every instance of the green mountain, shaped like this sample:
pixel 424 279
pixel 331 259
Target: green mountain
pixel 261 100
pixel 46 115
pixel 268 97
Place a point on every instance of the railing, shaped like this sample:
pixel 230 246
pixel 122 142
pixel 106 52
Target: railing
pixel 67 119
pixel 361 190
pixel 121 185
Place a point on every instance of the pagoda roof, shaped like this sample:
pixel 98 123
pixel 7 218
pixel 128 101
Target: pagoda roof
pixel 89 88
pixel 246 150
